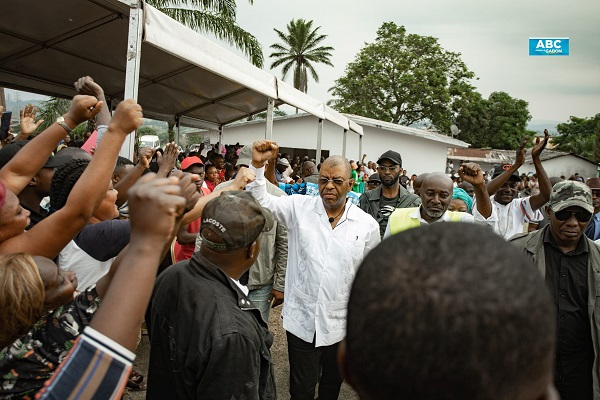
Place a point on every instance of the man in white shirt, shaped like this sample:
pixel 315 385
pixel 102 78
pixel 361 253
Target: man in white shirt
pixel 436 196
pixel 513 212
pixel 327 240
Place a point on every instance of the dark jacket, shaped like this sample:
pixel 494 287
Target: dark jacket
pixel 369 203
pixel 208 341
pixel 533 246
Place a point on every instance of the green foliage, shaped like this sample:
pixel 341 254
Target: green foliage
pixel 499 122
pixel 53 108
pixel 403 78
pixel 216 17
pixel 263 115
pixel 580 136
pixel 299 50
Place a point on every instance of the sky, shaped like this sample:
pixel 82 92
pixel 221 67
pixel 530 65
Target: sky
pixel 491 36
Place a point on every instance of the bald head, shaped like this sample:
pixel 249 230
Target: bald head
pixel 308 168
pixel 334 161
pixel 437 180
pixel 418 182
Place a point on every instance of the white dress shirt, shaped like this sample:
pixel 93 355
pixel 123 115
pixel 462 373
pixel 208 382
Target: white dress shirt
pixel 322 261
pixel 513 216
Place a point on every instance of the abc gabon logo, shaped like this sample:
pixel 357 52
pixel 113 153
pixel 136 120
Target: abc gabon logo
pixel 549 46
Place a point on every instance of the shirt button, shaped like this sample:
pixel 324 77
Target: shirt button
pixel 563 275
pixel 563 295
pixel 562 317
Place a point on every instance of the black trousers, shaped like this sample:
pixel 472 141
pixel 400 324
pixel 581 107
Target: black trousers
pixel 307 362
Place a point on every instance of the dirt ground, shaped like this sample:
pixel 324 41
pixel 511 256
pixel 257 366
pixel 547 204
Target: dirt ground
pixel 278 351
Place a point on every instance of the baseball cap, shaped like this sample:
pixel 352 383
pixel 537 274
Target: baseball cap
pixel 570 193
pixel 497 171
pixel 374 178
pixel 282 161
pixel 391 155
pixel 237 218
pixel 245 157
pixel 189 161
pixel 8 152
pixel 593 183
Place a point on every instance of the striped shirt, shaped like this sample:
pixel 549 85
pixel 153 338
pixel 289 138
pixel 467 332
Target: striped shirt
pixel 97 367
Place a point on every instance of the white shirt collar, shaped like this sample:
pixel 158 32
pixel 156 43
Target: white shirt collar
pixel 242 287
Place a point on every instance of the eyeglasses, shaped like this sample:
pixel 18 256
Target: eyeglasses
pixel 581 216
pixel 385 168
pixel 336 181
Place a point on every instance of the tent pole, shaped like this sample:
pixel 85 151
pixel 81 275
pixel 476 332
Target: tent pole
pixel 319 137
pixel 360 151
pixel 269 126
pixel 177 124
pixel 220 139
pixel 344 143
pixel 132 69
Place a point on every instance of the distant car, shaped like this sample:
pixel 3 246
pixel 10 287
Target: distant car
pixel 149 141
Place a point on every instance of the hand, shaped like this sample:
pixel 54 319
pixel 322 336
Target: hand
pixel 127 117
pixel 151 196
pixel 540 145
pixel 189 190
pixel 145 156
pixel 86 85
pixel 262 151
pixel 471 173
pixel 28 124
pixel 243 177
pixel 520 159
pixel 81 109
pixel 166 161
pixel 276 297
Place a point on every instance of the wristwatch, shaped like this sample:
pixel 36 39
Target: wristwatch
pixel 61 121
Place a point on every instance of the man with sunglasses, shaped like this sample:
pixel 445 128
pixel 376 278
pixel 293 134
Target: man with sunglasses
pixel 570 265
pixel 513 212
pixel 328 237
pixel 382 201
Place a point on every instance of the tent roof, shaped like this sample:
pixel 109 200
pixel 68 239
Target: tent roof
pixel 183 74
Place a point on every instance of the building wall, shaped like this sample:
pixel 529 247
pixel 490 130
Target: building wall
pixel 565 165
pixel 418 154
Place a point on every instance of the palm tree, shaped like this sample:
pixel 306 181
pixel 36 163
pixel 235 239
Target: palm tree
pixel 216 17
pixel 299 50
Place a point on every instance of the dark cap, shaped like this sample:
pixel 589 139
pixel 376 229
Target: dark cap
pixel 593 183
pixel 8 152
pixel 499 170
pixel 391 155
pixel 374 178
pixel 237 218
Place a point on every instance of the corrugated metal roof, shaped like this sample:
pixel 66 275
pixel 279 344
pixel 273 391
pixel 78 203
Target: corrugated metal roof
pixel 407 130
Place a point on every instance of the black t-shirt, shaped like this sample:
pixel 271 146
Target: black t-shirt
pixel 386 208
pixel 105 239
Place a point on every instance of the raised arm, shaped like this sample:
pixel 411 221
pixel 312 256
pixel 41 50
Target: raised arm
pixel 166 162
pixel 126 290
pixel 52 234
pixel 28 122
pixel 122 187
pixel 472 173
pixel 543 196
pixel 498 181
pixel 31 158
pixel 86 85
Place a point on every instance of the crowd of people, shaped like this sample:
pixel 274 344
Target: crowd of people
pixel 497 302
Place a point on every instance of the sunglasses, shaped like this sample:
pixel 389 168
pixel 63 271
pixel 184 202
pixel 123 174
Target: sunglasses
pixel 581 216
pixel 336 181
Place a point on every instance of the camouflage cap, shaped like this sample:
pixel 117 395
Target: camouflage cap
pixel 569 194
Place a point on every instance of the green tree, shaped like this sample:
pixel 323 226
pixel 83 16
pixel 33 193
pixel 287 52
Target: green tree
pixel 403 78
pixel 580 136
pixel 499 122
pixel 216 17
pixel 53 108
pixel 299 50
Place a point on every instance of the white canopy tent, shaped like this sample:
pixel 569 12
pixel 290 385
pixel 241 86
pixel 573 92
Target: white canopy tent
pixel 135 51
